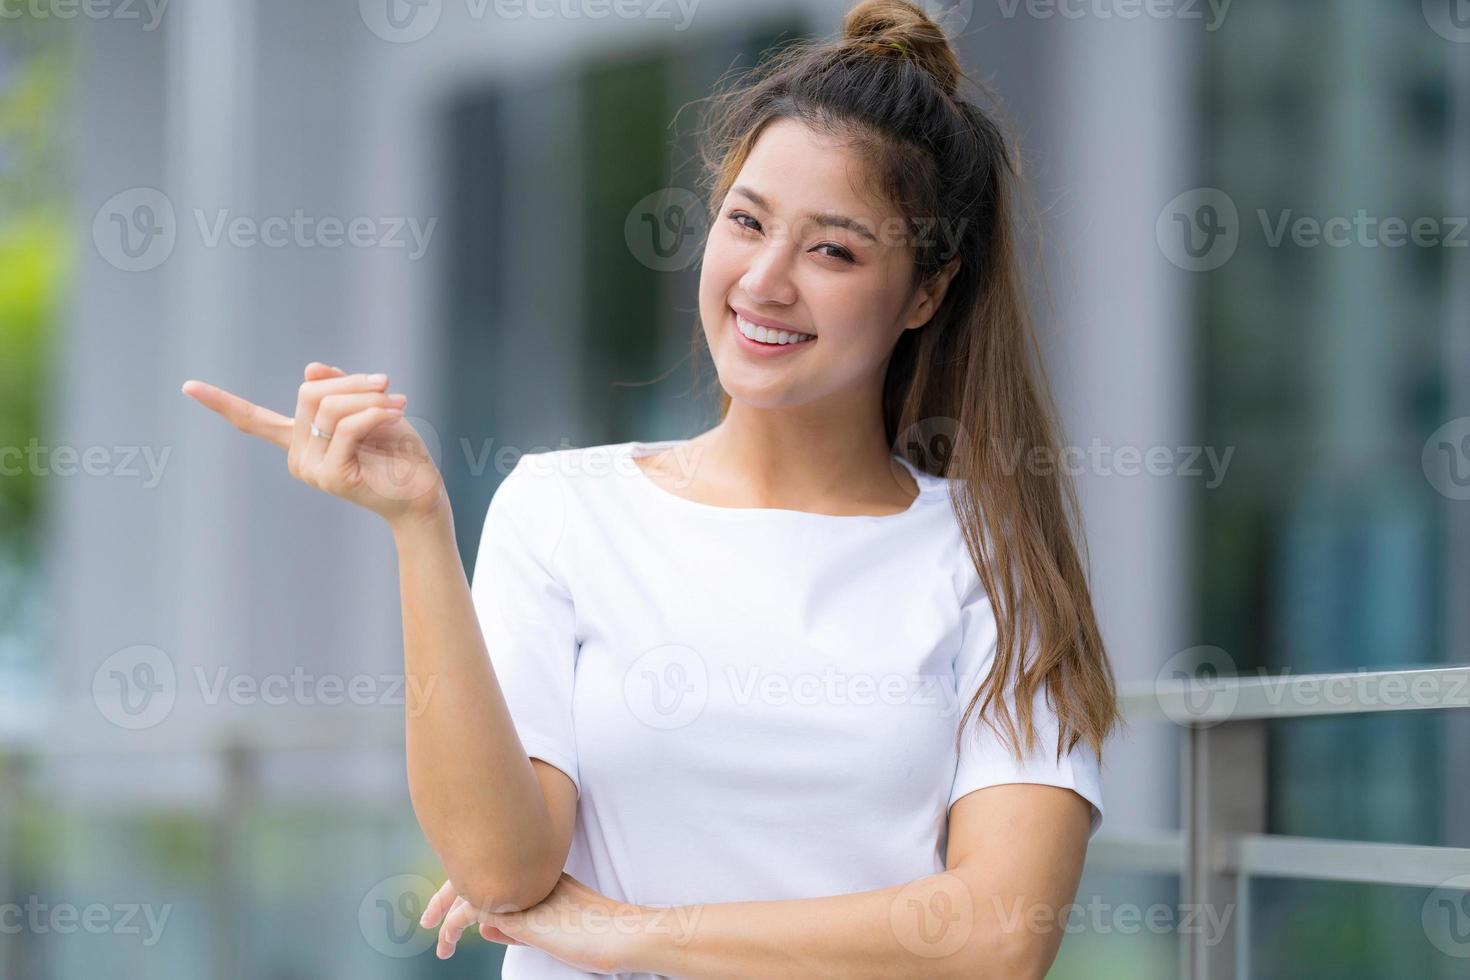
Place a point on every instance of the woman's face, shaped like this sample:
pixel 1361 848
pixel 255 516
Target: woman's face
pixel 799 245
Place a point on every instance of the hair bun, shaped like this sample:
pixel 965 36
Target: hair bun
pixel 900 29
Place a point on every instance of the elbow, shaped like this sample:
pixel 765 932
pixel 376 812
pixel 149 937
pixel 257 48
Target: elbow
pixel 503 890
pixel 500 895
pixel 1016 955
pixel 497 879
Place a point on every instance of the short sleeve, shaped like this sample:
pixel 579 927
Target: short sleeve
pixel 986 759
pixel 525 610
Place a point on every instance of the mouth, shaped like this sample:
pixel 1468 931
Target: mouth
pixel 767 335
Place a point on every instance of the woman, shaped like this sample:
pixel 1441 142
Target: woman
pixel 775 700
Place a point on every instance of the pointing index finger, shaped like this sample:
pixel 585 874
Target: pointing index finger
pixel 243 415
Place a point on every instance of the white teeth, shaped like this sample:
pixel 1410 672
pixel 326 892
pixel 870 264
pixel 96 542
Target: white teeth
pixel 766 335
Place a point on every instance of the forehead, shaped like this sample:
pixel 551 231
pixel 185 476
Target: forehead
pixel 799 170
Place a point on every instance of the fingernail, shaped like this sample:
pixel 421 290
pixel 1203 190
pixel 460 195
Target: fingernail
pixel 376 379
pixel 398 399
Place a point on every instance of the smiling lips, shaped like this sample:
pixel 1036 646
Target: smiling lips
pixel 762 334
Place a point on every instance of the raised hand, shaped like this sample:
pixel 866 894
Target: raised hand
pixel 365 451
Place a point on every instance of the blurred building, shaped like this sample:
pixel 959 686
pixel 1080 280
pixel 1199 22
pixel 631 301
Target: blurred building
pixel 497 165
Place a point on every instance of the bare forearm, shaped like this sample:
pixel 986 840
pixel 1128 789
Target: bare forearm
pixel 931 928
pixel 473 788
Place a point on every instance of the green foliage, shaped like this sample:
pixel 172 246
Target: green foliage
pixel 35 254
pixel 34 260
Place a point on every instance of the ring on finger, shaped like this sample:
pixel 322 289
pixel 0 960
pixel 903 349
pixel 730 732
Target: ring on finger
pixel 320 432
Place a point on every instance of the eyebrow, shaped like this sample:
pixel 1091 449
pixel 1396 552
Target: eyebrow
pixel 827 219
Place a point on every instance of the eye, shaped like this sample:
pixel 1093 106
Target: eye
pixel 740 217
pixel 838 252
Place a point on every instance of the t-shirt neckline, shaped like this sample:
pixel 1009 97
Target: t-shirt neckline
pixel 927 485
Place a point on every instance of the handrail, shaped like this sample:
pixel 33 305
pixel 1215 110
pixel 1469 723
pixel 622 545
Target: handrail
pixel 1223 843
pixel 1286 856
pixel 75 725
pixel 1242 697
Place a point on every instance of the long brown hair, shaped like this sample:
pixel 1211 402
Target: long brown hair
pixel 890 89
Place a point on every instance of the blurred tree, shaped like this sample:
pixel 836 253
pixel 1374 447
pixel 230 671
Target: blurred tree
pixel 35 259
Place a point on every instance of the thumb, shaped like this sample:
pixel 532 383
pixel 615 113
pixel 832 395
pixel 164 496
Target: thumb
pixel 316 371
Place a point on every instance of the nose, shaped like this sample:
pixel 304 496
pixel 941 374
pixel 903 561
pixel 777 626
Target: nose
pixel 768 280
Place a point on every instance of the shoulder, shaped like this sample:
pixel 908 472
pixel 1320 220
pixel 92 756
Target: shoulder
pixel 563 468
pixel 935 531
pixel 546 495
pixel 537 498
pixel 934 486
pixel 530 497
pixel 549 481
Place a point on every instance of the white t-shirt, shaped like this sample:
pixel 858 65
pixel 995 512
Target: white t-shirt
pixel 754 703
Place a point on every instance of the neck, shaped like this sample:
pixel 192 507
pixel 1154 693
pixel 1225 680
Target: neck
pixel 801 458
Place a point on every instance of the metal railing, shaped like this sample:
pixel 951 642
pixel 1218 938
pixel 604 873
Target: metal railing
pixel 1223 843
pixel 1222 846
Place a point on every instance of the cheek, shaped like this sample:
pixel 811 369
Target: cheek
pixel 851 310
pixel 717 272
